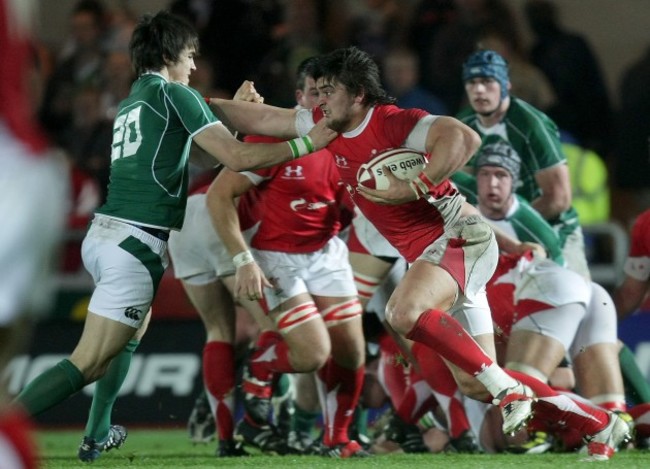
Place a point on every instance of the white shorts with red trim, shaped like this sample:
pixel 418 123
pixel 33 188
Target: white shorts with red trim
pixel 326 272
pixel 197 252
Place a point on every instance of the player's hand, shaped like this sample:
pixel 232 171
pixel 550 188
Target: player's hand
pixel 537 249
pixel 247 92
pixel 249 281
pixel 321 135
pixel 398 192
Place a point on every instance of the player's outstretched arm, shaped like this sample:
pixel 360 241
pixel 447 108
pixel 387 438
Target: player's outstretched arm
pixel 256 118
pixel 240 156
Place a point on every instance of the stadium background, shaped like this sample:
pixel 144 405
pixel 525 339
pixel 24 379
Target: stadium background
pixel 165 376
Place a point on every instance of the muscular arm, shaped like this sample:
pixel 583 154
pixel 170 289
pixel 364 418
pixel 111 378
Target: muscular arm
pixel 451 144
pixel 240 156
pixel 246 109
pixel 221 201
pixel 556 191
pixel 255 118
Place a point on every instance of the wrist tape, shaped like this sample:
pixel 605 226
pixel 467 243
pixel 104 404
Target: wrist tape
pixel 243 258
pixel 422 185
pixel 301 146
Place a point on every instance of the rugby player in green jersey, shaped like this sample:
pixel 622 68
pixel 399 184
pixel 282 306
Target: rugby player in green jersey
pixel 125 249
pixel 544 180
pixel 552 312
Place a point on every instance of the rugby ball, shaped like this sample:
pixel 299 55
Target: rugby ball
pixel 404 163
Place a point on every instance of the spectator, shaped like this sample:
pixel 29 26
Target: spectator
pixel 429 17
pixel 455 41
pixel 236 56
pixel 589 182
pixel 80 65
pixel 378 25
pixel 121 21
pixel 583 107
pixel 116 80
pixel 632 168
pixel 88 137
pixel 402 79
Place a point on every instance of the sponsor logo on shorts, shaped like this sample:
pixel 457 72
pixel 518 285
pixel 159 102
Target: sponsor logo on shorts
pixel 133 313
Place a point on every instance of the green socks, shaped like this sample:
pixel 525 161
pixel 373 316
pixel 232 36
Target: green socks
pixel 304 421
pixel 106 390
pixel 361 420
pixel 636 387
pixel 51 387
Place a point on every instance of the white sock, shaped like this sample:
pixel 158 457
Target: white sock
pixel 495 379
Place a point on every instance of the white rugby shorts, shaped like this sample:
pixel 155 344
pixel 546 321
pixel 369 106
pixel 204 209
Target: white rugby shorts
pixel 468 251
pixel 127 265
pixel 197 253
pixel 326 272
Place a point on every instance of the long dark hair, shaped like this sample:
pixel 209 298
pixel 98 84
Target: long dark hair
pixel 160 39
pixel 355 70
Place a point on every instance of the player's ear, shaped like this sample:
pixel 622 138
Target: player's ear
pixel 360 97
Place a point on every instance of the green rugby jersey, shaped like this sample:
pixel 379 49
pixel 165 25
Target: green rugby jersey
pixel 152 135
pixel 522 221
pixel 536 138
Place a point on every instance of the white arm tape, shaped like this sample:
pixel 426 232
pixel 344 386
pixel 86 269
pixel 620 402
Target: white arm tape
pixel 243 258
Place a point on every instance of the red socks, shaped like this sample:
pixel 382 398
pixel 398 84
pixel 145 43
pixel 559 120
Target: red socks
pixel 17 446
pixel 443 334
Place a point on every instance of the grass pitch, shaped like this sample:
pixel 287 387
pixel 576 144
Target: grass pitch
pixel 171 449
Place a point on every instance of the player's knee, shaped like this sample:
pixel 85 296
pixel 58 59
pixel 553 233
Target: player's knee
pixel 401 319
pixel 311 359
pixel 352 356
pixel 91 367
pixel 95 372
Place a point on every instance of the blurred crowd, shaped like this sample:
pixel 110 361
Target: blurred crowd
pixel 422 48
pixel 420 45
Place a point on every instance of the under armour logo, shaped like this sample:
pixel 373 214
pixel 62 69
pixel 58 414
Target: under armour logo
pixel 132 313
pixel 293 172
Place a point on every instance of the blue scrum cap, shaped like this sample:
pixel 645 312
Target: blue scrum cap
pixel 487 63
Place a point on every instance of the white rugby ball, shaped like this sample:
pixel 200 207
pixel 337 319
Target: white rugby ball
pixel 404 163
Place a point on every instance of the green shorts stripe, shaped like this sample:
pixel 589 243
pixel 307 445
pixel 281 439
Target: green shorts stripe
pixel 149 259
